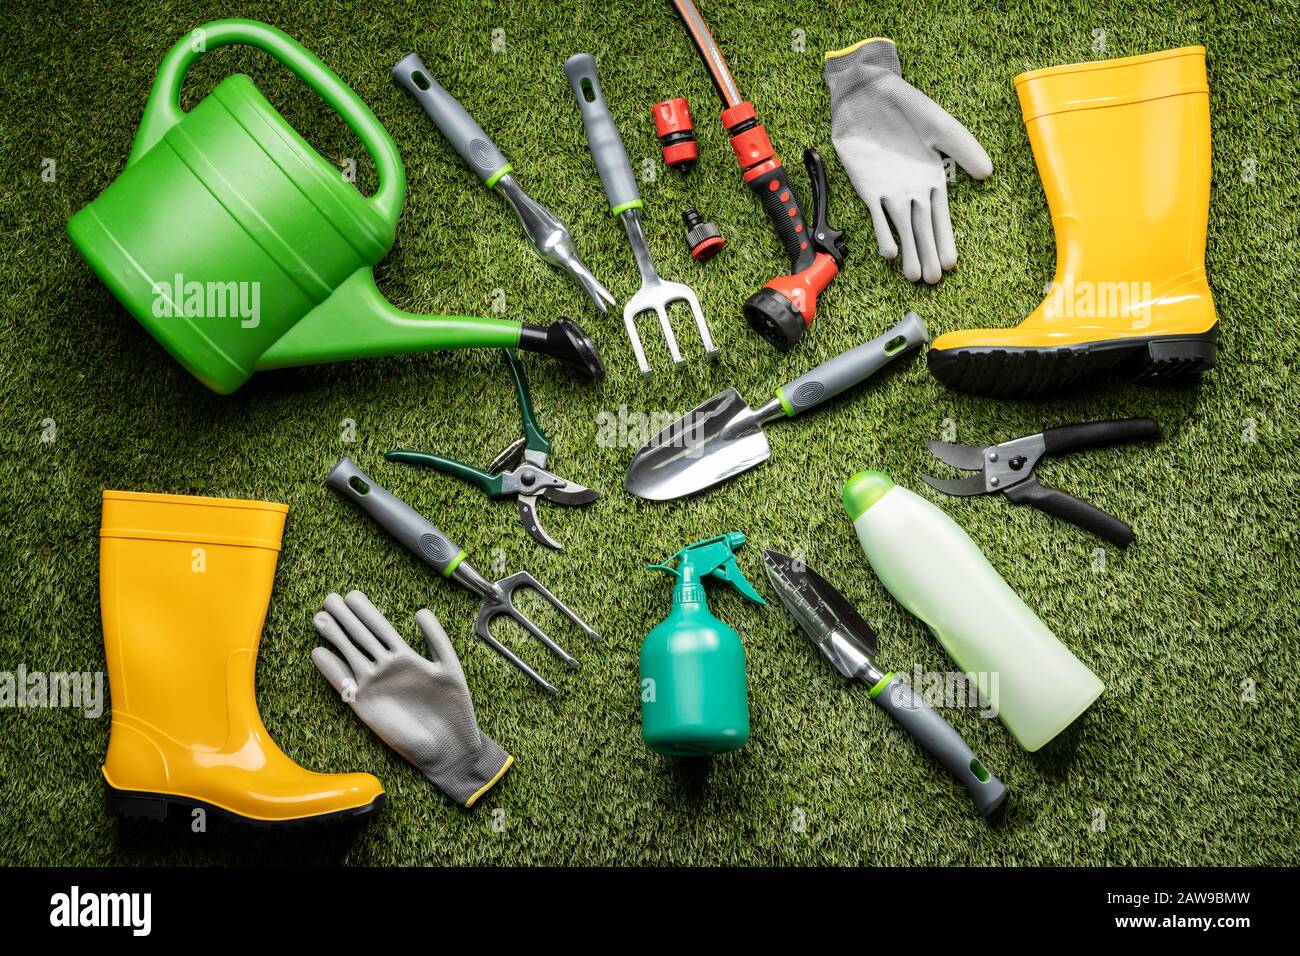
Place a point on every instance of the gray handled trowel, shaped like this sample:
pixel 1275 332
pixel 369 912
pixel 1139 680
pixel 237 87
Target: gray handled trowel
pixel 841 635
pixel 725 436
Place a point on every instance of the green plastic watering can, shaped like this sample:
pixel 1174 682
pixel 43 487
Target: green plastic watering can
pixel 240 248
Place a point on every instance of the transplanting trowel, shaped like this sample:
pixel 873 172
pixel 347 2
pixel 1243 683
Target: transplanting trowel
pixel 548 235
pixel 724 436
pixel 848 642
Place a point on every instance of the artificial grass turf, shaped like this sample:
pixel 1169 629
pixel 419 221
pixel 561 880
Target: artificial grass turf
pixel 1188 757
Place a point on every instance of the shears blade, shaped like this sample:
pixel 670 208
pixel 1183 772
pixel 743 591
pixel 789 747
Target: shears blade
pixel 970 485
pixel 968 457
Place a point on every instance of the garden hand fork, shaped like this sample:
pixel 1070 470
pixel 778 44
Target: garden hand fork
pixel 419 536
pixel 625 202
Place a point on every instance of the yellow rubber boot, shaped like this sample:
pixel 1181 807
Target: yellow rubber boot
pixel 184 587
pixel 1123 150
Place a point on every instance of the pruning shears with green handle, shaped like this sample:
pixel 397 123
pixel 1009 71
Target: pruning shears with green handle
pixel 519 471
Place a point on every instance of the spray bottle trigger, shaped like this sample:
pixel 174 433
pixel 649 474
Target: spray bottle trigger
pixel 731 573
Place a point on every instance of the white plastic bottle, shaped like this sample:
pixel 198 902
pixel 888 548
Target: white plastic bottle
pixel 933 568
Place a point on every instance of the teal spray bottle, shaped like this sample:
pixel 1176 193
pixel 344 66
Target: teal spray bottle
pixel 694 701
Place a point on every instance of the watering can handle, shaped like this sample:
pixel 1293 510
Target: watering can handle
pixel 163 110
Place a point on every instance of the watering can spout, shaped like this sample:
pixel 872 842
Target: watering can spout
pixel 356 321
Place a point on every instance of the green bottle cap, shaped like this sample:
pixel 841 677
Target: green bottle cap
pixel 863 490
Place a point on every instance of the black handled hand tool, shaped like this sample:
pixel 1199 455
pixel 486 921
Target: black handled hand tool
pixel 783 308
pixel 1009 468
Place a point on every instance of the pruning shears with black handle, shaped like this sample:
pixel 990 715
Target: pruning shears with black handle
pixel 1009 468
pixel 519 471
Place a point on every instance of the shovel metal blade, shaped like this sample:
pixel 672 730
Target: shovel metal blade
pixel 715 441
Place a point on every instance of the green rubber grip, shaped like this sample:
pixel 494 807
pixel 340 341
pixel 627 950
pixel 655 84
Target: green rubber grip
pixel 451 466
pixel 535 438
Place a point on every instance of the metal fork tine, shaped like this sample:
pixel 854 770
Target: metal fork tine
pixel 661 309
pixel 629 321
pixel 705 336
pixel 499 599
pixel 542 636
pixel 507 587
pixel 558 604
pixel 486 636
pixel 578 269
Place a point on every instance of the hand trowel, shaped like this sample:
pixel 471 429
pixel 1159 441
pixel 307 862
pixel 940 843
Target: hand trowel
pixel 724 436
pixel 841 635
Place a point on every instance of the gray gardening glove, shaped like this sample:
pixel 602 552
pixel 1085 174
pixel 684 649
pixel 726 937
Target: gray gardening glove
pixel 418 706
pixel 889 137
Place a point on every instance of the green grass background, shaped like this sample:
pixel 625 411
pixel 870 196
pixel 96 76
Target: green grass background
pixel 1179 627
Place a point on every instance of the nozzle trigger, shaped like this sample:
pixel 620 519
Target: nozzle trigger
pixel 825 239
pixel 731 573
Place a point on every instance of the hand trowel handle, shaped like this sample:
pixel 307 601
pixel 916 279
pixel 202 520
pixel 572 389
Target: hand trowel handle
pixel 940 738
pixel 849 368
pixel 411 529
pixel 452 119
